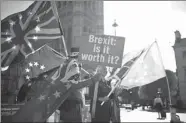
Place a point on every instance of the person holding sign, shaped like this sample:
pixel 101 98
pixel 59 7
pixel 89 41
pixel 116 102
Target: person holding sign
pixel 71 109
pixel 106 112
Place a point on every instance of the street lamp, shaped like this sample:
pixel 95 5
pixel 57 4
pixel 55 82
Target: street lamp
pixel 110 69
pixel 115 25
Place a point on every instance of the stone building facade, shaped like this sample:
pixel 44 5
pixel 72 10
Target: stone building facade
pixel 180 55
pixel 78 18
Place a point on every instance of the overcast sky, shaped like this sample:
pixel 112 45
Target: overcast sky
pixel 140 22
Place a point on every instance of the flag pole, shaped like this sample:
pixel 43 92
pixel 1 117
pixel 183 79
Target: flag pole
pixel 168 85
pixel 95 93
pixel 54 7
pixel 118 83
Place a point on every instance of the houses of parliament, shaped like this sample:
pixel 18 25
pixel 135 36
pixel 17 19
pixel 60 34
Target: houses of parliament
pixel 78 18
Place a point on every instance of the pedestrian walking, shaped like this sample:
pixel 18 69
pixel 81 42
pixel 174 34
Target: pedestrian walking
pixel 158 104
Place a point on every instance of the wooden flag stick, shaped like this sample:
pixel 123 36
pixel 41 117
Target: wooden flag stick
pixel 95 92
pixel 168 86
pixel 118 79
pixel 118 83
pixel 95 99
pixel 54 7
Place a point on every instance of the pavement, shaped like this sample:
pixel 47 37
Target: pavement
pixel 138 115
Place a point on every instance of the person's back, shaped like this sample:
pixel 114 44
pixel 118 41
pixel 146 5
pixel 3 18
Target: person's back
pixel 158 104
pixel 158 100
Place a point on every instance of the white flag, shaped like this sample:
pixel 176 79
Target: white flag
pixel 146 69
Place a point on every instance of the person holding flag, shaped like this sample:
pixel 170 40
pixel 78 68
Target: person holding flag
pixel 71 109
pixel 107 112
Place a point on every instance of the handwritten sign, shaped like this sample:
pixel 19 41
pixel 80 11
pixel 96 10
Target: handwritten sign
pixel 101 50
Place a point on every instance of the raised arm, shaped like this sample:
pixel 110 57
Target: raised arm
pixel 87 82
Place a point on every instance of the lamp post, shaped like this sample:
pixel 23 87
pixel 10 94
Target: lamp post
pixel 115 25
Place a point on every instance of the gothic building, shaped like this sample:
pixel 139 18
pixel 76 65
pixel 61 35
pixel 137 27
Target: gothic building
pixel 180 55
pixel 78 18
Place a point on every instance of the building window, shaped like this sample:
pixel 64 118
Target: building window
pixel 89 4
pixel 69 37
pixel 90 30
pixel 94 6
pixel 184 54
pixel 64 33
pixel 70 2
pixel 85 5
pixel 85 29
pixel 64 3
pixel 69 13
pixel 58 4
pixel 185 75
pixel 77 3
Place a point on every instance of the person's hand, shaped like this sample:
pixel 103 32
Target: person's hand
pixel 103 99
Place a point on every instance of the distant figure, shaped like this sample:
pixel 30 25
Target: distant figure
pixel 132 104
pixel 158 104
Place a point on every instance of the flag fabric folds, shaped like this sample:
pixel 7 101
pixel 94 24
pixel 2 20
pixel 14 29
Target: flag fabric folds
pixel 128 61
pixel 147 68
pixel 29 30
pixel 48 98
pixel 41 61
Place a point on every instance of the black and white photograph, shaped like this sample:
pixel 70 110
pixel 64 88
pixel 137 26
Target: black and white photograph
pixel 93 61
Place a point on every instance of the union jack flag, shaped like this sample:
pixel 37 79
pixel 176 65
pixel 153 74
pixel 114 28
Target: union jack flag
pixel 29 30
pixel 128 60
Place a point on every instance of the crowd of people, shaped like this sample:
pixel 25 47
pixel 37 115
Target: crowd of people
pixel 72 108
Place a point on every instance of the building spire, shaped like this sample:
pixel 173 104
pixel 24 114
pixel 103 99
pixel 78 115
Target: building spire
pixel 177 36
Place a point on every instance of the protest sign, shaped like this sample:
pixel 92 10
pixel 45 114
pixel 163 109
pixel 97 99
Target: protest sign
pixel 102 50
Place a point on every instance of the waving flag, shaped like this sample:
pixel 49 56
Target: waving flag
pixel 146 69
pixel 128 61
pixel 29 30
pixel 49 96
pixel 42 61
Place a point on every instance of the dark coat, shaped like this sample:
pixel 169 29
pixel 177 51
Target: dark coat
pixel 71 109
pixel 108 111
